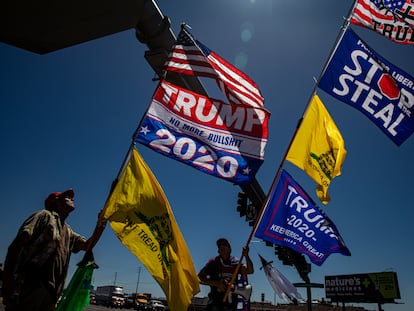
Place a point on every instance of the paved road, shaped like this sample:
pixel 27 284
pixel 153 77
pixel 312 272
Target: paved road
pixel 88 308
pixel 101 308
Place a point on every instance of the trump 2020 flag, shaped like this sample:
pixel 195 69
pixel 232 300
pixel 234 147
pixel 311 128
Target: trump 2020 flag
pixel 361 78
pixel 394 19
pixel 318 148
pixel 292 219
pixel 226 141
pixel 189 56
pixel 141 217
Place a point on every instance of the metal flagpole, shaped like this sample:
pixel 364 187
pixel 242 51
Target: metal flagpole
pixel 121 170
pixel 99 229
pixel 259 218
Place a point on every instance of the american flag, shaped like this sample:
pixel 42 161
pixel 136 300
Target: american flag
pixel 393 19
pixel 191 57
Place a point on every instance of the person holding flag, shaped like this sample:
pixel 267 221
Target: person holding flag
pixel 38 258
pixel 217 273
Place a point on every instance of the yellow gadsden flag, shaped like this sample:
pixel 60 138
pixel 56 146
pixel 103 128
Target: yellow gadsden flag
pixel 318 148
pixel 141 217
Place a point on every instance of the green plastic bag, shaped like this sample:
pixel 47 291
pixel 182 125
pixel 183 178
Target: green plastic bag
pixel 76 296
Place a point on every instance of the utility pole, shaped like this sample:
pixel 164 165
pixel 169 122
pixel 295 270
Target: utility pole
pixel 139 273
pixel 308 286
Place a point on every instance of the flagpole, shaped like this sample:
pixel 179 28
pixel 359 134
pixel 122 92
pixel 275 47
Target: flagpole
pixel 275 180
pixel 98 233
pixel 338 40
pixel 331 53
pixel 131 147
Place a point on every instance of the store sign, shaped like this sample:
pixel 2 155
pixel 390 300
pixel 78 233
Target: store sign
pixel 379 287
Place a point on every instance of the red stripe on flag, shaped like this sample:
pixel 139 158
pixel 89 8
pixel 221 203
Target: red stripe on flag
pixel 236 86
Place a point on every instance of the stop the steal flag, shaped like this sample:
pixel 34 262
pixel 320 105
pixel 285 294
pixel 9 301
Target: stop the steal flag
pixel 292 219
pixel 360 77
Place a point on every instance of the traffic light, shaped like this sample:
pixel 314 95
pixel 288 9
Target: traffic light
pixel 302 266
pixel 242 203
pixel 290 257
pixel 284 255
pixel 251 214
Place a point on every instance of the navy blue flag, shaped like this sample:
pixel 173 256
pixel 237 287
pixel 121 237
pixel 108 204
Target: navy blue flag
pixel 292 219
pixel 360 77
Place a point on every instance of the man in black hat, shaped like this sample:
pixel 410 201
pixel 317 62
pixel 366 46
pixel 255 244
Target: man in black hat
pixel 38 258
pixel 218 272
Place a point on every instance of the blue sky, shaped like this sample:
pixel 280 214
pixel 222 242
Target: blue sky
pixel 66 120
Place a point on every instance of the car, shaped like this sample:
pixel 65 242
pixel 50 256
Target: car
pixel 141 301
pixel 129 302
pixel 155 305
pixel 92 299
